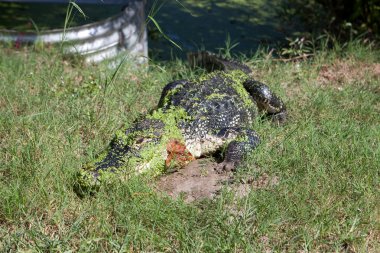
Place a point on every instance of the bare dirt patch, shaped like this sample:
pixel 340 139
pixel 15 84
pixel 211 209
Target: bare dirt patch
pixel 346 72
pixel 199 180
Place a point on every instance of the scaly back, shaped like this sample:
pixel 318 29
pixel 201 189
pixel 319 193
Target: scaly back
pixel 212 62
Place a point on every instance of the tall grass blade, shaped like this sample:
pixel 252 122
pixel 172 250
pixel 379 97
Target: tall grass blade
pixel 162 32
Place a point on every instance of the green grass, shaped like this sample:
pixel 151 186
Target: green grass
pixel 55 115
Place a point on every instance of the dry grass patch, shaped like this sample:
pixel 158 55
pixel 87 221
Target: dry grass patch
pixel 345 72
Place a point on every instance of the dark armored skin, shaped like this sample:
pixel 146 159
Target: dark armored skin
pixel 194 118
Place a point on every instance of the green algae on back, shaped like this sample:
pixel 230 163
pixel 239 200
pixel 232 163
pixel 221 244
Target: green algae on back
pixel 236 79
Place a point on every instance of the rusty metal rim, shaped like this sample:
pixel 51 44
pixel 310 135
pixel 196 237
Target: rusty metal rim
pixel 95 41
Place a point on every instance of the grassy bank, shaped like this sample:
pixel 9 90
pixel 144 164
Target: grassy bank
pixel 315 180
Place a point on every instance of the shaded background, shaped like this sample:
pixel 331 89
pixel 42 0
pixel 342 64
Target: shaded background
pixel 215 25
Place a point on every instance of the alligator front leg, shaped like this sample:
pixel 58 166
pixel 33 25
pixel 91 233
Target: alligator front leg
pixel 246 141
pixel 267 101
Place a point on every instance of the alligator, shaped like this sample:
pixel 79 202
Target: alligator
pixel 193 119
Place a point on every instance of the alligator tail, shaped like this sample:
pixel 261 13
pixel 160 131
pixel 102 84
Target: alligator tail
pixel 212 62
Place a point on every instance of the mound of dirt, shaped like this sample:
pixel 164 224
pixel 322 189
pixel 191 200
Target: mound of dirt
pixel 198 180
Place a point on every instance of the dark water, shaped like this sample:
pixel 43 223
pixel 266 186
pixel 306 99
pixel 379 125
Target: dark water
pixel 242 25
pixel 214 25
pixel 42 16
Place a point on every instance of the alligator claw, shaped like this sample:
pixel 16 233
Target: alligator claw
pixel 225 167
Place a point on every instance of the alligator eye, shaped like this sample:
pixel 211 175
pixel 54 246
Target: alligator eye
pixel 140 140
